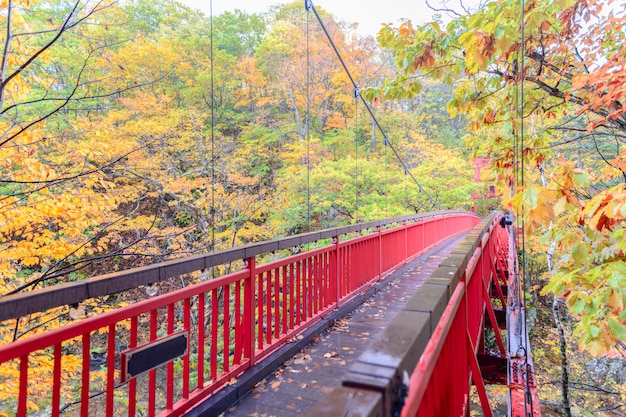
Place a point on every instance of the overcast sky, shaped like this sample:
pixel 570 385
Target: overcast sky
pixel 368 13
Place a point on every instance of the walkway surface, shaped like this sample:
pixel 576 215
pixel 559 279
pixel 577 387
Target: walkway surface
pixel 306 378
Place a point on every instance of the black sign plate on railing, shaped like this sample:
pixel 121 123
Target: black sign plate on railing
pixel 146 357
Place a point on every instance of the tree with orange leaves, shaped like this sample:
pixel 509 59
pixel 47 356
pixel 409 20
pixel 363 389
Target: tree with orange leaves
pixel 543 89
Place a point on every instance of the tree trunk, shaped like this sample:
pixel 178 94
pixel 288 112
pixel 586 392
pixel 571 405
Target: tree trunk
pixel 567 410
pixel 564 363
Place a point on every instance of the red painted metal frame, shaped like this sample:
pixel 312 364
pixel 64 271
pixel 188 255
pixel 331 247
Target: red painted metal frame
pixel 441 382
pixel 233 321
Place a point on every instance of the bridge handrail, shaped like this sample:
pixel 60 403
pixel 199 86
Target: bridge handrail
pixel 419 332
pixel 17 305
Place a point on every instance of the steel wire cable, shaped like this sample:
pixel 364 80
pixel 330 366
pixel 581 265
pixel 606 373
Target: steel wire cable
pixel 311 8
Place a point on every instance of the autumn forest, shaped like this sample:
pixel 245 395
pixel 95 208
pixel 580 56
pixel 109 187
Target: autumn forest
pixel 142 131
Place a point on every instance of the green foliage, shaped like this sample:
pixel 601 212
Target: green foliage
pixel 238 33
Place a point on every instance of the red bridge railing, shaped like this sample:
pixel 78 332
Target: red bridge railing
pixel 212 331
pixel 425 362
pixel 441 382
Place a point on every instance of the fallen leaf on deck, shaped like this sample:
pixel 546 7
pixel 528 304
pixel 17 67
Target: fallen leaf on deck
pixel 302 359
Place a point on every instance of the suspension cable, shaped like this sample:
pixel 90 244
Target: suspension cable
pixel 308 132
pixel 406 190
pixel 528 403
pixel 356 155
pixel 310 7
pixel 386 178
pixel 212 131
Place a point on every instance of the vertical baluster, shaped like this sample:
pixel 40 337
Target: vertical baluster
pixel 319 290
pixel 56 380
pixel 23 394
pixel 152 373
pixel 309 292
pixel 260 304
pixel 324 286
pixel 334 271
pixel 187 325
pixel 226 329
pixel 324 279
pixel 268 307
pixel 292 292
pixel 169 383
pixel 110 370
pixel 305 289
pixel 238 325
pixel 298 292
pixel 285 298
pixel 340 272
pixel 214 326
pixel 347 272
pixel 132 384
pixel 84 392
pixel 276 303
pixel 249 309
pixel 201 318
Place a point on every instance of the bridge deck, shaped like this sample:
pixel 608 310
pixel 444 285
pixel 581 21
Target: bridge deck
pixel 306 378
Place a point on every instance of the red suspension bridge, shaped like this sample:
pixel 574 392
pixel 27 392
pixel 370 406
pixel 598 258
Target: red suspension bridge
pixel 199 349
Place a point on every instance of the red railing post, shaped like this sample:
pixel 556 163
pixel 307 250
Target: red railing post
pixel 248 310
pixel 110 370
pixel 21 405
pixel 132 384
pixel 84 394
pixel 56 383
